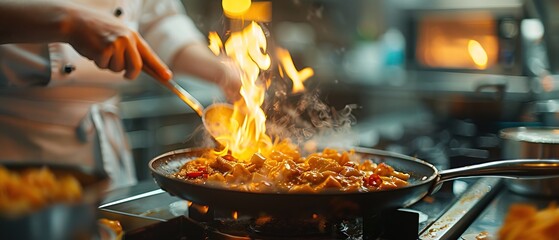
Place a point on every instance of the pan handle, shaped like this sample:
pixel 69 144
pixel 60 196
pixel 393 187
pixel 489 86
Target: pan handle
pixel 518 168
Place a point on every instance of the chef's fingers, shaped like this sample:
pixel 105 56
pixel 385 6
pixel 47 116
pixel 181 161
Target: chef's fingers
pixel 151 62
pixel 116 63
pixel 133 61
pixel 103 58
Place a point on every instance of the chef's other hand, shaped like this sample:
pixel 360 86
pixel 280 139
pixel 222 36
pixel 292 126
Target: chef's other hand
pixel 230 82
pixel 104 39
pixel 196 59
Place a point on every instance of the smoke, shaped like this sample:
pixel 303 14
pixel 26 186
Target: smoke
pixel 307 120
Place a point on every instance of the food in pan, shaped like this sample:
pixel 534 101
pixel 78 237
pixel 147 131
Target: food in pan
pixel 285 170
pixel 525 222
pixel 114 226
pixel 32 189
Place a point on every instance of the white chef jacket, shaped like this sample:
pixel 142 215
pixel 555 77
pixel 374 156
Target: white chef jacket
pixel 57 106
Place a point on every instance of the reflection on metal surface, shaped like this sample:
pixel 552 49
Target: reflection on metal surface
pixel 179 208
pixel 463 211
pixel 139 196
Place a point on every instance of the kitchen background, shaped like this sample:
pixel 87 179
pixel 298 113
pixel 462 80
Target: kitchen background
pixel 406 94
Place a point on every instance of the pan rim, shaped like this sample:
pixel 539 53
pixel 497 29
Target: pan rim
pixel 428 179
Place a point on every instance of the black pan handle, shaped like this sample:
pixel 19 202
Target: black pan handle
pixel 518 168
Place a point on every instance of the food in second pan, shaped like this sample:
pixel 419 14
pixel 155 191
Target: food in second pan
pixel 525 222
pixel 32 189
pixel 285 170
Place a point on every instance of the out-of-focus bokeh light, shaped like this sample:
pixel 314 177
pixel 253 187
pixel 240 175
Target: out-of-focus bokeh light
pixel 235 7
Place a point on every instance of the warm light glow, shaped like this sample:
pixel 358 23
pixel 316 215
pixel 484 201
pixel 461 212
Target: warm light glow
pixel 204 209
pixel 314 216
pixel 298 77
pixel 235 7
pixel 258 12
pixel 235 215
pixel 200 208
pixel 457 41
pixel 478 54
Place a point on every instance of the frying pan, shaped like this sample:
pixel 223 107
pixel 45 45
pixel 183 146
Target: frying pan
pixel 424 179
pixel 63 220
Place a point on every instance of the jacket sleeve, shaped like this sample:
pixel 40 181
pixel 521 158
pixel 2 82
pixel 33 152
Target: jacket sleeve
pixel 166 27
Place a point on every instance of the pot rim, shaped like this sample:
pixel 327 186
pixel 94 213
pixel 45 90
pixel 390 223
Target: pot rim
pixel 543 135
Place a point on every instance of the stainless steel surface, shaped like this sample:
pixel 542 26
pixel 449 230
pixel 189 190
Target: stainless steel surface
pixel 518 168
pixel 140 206
pixel 472 202
pixel 57 222
pixel 532 142
pixel 184 96
pixel 547 112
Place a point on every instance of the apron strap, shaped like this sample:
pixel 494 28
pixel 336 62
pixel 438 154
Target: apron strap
pixel 115 154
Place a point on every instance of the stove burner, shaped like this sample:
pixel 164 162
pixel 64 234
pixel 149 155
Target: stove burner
pixel 314 226
pixel 393 224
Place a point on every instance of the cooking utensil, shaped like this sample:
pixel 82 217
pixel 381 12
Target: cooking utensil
pixel 537 143
pixel 425 179
pixel 214 117
pixel 59 220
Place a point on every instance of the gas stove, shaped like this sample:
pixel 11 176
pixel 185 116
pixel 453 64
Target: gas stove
pixel 154 214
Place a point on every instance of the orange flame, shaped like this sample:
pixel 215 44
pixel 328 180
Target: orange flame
pixel 246 130
pixel 200 208
pixel 235 215
pixel 298 77
pixel 216 45
pixel 248 123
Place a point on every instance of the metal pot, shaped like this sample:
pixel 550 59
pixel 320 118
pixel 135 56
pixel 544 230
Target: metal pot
pixel 59 221
pixel 535 143
pixel 547 112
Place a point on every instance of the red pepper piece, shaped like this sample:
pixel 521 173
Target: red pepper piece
pixel 374 180
pixel 194 174
pixel 228 158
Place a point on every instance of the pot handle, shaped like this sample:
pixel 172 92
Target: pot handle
pixel 518 168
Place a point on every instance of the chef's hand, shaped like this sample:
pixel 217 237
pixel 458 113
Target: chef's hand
pixel 96 35
pixel 230 81
pixel 104 39
pixel 196 59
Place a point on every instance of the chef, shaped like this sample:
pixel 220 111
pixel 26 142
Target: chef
pixel 60 62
